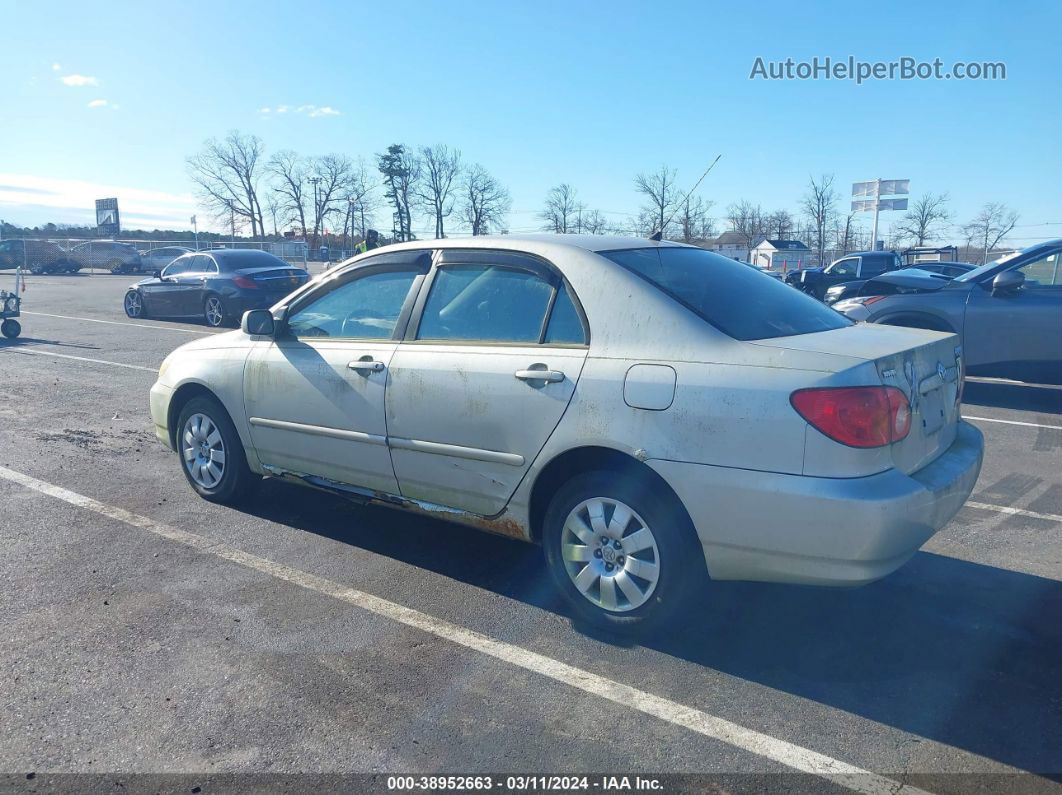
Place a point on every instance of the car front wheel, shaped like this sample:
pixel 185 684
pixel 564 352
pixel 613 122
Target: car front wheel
pixel 211 453
pixel 134 304
pixel 10 328
pixel 624 557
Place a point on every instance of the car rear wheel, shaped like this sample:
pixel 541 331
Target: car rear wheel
pixel 10 328
pixel 624 557
pixel 214 311
pixel 211 453
pixel 134 304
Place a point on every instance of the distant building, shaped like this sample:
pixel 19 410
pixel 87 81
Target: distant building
pixel 729 244
pixel 780 255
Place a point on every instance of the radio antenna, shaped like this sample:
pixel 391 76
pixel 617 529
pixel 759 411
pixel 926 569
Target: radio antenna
pixel 659 233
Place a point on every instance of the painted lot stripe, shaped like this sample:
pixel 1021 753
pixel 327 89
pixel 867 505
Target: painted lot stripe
pixel 1011 422
pixel 788 754
pixel 122 323
pixel 30 352
pixel 984 506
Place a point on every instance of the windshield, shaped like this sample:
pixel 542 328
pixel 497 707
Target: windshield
pixel 738 300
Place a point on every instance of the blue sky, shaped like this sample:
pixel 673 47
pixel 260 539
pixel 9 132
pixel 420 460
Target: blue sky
pixel 539 93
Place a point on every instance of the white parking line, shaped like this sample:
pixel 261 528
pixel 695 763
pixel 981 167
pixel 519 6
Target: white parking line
pixel 1011 422
pixel 984 506
pixel 122 323
pixel 788 754
pixel 32 352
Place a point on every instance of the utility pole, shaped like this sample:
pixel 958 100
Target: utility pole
pixel 877 205
pixel 315 181
pixel 195 230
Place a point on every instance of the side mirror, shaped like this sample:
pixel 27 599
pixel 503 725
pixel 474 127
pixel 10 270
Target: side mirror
pixel 156 274
pixel 258 323
pixel 1007 282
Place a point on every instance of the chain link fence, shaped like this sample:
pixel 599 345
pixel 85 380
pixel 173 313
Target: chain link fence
pixel 73 255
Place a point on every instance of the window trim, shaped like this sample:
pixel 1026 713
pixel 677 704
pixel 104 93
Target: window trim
pixel 505 258
pixel 361 271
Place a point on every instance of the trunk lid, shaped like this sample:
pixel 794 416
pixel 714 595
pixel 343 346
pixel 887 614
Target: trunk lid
pixel 276 279
pixel 925 365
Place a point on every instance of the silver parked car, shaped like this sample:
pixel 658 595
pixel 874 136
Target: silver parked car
pixel 651 413
pixel 156 259
pixel 1007 312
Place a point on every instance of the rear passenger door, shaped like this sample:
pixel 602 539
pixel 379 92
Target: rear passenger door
pixel 489 365
pixel 188 289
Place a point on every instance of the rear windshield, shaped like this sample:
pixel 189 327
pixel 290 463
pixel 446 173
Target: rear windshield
pixel 733 296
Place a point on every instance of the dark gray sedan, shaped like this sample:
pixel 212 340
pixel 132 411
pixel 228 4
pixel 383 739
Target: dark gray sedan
pixel 1008 312
pixel 217 286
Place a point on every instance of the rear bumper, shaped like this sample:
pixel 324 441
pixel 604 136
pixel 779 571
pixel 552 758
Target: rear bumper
pixel 822 531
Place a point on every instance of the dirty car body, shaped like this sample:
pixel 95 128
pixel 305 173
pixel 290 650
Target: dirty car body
pixel 1008 313
pixel 646 424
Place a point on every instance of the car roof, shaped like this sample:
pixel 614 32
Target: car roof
pixel 537 244
pixel 237 256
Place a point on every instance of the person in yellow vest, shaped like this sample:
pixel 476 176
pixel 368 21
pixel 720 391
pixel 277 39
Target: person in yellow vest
pixel 371 241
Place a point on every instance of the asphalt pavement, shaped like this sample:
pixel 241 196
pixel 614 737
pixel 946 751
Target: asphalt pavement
pixel 143 630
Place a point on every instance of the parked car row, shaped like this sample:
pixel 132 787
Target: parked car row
pixel 45 256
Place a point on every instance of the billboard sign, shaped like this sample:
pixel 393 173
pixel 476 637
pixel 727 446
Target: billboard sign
pixel 107 221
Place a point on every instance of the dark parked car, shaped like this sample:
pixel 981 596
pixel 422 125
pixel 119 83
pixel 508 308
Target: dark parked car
pixel 218 286
pixel 945 270
pixel 860 265
pixel 1008 312
pixel 36 256
pixel 118 257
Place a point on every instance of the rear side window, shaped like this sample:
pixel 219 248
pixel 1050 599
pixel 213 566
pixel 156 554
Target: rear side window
pixel 874 266
pixel 738 300
pixel 489 303
pixel 565 325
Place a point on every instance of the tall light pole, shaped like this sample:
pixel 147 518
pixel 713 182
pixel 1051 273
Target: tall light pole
pixel 873 191
pixel 315 181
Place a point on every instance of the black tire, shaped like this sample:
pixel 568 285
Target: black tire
pixel 236 478
pixel 678 553
pixel 10 328
pixel 215 319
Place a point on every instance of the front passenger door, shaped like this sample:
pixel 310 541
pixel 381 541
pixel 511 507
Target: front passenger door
pixel 1017 335
pixel 314 397
pixel 479 387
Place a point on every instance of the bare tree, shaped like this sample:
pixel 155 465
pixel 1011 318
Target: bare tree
pixel 275 208
pixel 486 201
pixel 746 219
pixel 361 198
pixel 290 173
pixel 437 191
pixel 778 225
pixel 988 228
pixel 661 195
pixel 592 222
pixel 693 219
pixel 402 173
pixel 227 173
pixel 330 177
pixel 925 218
pixel 819 205
pixel 561 209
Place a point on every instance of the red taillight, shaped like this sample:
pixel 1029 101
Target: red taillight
pixel 243 281
pixel 858 416
pixel 872 299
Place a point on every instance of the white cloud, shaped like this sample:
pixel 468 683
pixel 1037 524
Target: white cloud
pixel 56 67
pixel 79 80
pixel 313 111
pixel 98 103
pixel 33 200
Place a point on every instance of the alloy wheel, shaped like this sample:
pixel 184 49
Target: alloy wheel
pixel 610 554
pixel 134 304
pixel 203 450
pixel 215 313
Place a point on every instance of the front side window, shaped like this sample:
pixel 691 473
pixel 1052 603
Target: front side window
pixel 1044 272
pixel 740 301
pixel 363 308
pixel 844 267
pixel 488 303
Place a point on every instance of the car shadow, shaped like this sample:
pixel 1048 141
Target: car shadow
pixel 960 653
pixel 1003 395
pixel 28 342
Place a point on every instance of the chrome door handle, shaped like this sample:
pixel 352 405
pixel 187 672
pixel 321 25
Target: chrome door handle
pixel 366 364
pixel 551 376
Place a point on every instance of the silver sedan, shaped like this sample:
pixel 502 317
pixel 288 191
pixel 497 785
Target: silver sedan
pixel 652 414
